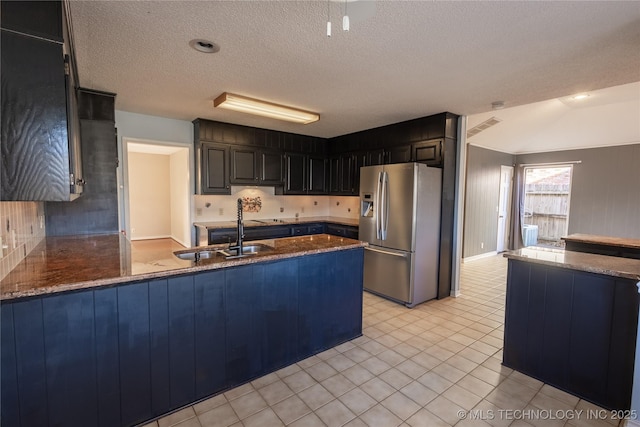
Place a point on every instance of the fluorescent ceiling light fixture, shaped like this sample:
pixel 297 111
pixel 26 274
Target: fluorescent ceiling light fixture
pixel 580 96
pixel 245 104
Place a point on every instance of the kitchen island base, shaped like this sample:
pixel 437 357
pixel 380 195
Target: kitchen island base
pixel 572 329
pixel 124 354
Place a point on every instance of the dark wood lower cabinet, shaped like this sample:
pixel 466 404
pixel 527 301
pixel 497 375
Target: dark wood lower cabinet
pixel 122 355
pixel 216 236
pixel 573 330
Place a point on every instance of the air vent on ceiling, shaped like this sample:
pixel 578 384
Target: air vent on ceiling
pixel 482 126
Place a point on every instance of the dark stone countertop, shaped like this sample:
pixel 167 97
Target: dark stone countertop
pixel 600 264
pixel 603 240
pixel 61 264
pixel 210 225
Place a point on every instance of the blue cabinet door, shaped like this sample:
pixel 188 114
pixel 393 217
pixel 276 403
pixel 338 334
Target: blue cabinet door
pixel 107 356
pixel 9 409
pixel 210 334
pixel 244 328
pixel 135 360
pixel 71 386
pixel 159 346
pixel 30 362
pixel 278 310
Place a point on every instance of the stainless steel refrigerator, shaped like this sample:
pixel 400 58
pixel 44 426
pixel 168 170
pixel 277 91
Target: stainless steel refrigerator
pixel 400 218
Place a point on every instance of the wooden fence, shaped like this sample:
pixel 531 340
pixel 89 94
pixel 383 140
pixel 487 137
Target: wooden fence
pixel 548 210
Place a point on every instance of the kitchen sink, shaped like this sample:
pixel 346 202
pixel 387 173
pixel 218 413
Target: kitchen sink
pixel 197 255
pixel 247 250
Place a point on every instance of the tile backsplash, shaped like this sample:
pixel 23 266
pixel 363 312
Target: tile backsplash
pixel 22 227
pixel 224 208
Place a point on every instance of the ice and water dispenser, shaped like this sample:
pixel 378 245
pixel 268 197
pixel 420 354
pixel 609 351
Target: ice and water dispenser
pixel 366 205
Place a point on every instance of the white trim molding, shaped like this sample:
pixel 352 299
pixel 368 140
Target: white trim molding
pixel 476 257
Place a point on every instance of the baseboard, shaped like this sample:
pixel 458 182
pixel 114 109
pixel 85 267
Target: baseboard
pixel 186 245
pixel 455 293
pixel 631 423
pixel 152 237
pixel 476 257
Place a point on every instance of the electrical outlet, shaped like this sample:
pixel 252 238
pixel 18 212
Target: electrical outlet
pixel 133 230
pixel 302 209
pixel 221 211
pixel 199 211
pixel 315 203
pixel 281 210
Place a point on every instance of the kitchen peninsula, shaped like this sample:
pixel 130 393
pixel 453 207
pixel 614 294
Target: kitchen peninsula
pixel 571 321
pixel 87 341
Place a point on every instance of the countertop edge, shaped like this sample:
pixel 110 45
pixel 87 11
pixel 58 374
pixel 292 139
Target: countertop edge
pixel 576 266
pixel 91 284
pixel 593 239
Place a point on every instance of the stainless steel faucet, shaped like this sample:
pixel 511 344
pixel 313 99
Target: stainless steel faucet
pixel 240 230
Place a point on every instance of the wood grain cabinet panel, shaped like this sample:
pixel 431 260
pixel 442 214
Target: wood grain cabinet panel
pixel 35 147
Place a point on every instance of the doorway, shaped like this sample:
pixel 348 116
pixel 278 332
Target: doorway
pixel 547 193
pixel 504 208
pixel 157 183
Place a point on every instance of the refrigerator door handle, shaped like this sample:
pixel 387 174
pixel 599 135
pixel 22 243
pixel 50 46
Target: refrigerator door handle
pixel 385 206
pixel 377 210
pixel 398 254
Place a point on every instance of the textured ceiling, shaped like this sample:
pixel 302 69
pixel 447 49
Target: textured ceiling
pixel 401 60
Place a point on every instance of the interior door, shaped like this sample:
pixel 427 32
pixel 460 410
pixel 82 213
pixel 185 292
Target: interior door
pixel 504 208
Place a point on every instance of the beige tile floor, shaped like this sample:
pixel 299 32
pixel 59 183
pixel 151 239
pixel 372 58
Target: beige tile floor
pixel 412 367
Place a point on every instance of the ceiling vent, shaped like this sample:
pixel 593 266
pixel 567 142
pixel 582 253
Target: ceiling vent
pixel 482 126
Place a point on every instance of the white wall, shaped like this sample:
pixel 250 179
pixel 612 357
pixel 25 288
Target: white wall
pixel 180 197
pixel 150 207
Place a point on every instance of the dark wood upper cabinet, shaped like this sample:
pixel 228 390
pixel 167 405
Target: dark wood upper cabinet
pixel 244 166
pixel 375 157
pixel 296 179
pixel 305 174
pixel 271 167
pixel 35 152
pixel 214 172
pixel 399 154
pixel 317 175
pixel 343 174
pixel 429 152
pixel 37 18
pixel 41 158
pixel 260 157
pixel 334 174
